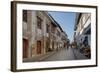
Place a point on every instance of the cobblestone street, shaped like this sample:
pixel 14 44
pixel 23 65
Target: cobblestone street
pixel 65 54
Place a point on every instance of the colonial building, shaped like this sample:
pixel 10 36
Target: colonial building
pixel 41 34
pixel 82 34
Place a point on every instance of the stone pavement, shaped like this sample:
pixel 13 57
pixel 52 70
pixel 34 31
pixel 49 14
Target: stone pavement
pixel 60 55
pixel 78 55
pixel 66 54
pixel 39 57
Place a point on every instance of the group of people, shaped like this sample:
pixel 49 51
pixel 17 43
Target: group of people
pixel 84 48
pixel 72 45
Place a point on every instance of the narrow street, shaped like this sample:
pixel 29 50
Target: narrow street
pixel 65 54
pixel 50 36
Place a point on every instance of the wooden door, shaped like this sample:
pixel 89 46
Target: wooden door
pixel 52 45
pixel 38 47
pixel 25 48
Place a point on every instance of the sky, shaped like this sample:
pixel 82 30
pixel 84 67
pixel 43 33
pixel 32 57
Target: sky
pixel 66 20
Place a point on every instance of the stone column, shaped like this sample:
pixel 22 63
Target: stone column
pixel 31 21
pixel 44 34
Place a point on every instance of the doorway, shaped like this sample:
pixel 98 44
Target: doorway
pixel 25 48
pixel 38 47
